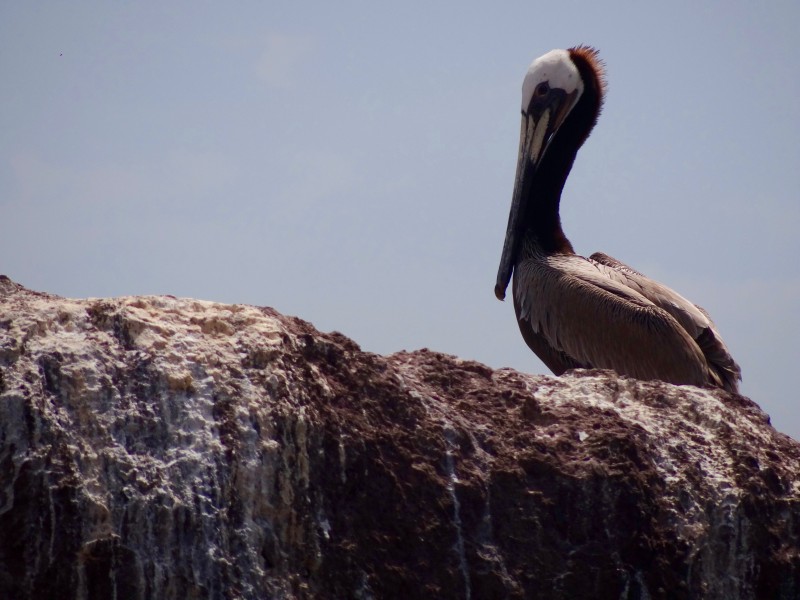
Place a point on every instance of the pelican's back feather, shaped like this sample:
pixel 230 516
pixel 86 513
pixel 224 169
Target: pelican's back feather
pixel 603 314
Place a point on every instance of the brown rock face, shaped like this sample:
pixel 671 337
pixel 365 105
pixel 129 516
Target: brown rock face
pixel 154 447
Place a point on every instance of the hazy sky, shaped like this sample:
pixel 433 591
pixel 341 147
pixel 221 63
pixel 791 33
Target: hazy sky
pixel 352 163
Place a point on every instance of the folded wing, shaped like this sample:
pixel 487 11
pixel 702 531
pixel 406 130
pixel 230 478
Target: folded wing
pixel 694 319
pixel 600 313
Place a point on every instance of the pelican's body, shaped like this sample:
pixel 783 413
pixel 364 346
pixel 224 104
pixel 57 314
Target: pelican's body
pixel 576 312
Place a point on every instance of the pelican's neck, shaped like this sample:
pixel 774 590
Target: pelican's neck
pixel 543 221
pixel 543 225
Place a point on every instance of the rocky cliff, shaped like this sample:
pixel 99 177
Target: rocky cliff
pixel 156 447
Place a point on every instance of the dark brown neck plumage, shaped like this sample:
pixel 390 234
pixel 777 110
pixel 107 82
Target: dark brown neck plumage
pixel 544 221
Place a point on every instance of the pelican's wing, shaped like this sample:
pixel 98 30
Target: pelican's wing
pixel 595 320
pixel 692 318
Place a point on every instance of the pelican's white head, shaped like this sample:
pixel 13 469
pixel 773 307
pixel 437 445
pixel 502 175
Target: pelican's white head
pixel 555 69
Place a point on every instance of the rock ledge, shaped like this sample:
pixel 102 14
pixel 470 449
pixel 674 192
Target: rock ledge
pixel 156 447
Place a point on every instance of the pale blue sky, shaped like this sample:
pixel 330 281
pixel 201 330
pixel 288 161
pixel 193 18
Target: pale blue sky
pixel 352 163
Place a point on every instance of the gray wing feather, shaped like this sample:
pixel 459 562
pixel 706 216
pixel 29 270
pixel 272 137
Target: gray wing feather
pixel 694 319
pixel 598 320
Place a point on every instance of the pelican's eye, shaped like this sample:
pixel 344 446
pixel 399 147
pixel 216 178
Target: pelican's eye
pixel 542 89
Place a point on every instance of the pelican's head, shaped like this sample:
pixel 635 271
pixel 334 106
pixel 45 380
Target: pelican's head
pixel 551 89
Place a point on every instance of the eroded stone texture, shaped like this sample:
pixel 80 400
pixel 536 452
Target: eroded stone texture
pixel 155 447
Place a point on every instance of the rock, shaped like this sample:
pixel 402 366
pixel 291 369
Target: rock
pixel 156 447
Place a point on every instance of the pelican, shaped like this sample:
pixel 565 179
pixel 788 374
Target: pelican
pixel 595 312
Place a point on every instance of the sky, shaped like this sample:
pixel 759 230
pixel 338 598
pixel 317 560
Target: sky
pixel 352 163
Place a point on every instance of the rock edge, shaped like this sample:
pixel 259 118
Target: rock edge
pixel 156 447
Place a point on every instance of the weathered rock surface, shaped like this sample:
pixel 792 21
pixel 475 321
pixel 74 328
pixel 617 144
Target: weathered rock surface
pixel 155 447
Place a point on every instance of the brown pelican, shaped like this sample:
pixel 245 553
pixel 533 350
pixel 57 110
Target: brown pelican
pixel 576 312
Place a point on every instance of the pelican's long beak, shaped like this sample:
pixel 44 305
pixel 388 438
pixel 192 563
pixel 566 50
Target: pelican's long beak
pixel 537 132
